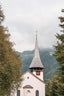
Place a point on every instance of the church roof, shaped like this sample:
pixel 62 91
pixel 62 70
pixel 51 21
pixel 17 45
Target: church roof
pixel 34 76
pixel 36 62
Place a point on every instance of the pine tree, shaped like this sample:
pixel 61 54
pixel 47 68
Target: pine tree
pixel 59 53
pixel 51 86
pixel 10 63
pixel 55 86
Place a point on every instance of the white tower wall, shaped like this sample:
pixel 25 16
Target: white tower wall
pixel 39 76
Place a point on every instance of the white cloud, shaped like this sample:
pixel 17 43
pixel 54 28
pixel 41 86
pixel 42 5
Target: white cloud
pixel 23 17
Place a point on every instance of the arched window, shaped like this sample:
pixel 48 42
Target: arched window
pixel 18 92
pixel 37 93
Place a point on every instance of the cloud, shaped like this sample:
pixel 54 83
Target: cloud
pixel 24 17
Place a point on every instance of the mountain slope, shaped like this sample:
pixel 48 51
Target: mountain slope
pixel 48 60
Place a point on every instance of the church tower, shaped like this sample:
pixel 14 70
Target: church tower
pixel 36 66
pixel 33 83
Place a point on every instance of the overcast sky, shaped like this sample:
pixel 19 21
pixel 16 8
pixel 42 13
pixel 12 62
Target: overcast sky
pixel 24 17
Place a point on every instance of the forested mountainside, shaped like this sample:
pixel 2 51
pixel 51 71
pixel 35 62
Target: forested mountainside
pixel 48 60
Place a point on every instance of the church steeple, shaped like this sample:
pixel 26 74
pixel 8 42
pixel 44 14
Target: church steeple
pixel 36 65
pixel 36 62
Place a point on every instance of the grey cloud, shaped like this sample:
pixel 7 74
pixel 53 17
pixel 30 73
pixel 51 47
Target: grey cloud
pixel 24 17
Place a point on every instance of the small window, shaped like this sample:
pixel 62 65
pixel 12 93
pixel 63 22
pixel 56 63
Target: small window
pixel 38 73
pixel 28 91
pixel 27 77
pixel 18 92
pixel 37 93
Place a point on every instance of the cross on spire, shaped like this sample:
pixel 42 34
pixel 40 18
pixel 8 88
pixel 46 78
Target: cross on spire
pixel 36 34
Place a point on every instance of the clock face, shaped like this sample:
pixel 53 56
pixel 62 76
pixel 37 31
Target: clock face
pixel 38 73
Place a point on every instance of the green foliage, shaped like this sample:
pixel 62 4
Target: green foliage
pixel 59 53
pixel 51 86
pixel 60 87
pixel 10 63
pixel 56 84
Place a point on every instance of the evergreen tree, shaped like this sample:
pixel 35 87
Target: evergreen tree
pixel 59 53
pixel 55 86
pixel 51 86
pixel 10 63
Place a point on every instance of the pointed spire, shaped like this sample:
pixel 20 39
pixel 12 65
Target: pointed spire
pixel 36 62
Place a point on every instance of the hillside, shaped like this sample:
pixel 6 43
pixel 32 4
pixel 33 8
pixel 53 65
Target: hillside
pixel 48 60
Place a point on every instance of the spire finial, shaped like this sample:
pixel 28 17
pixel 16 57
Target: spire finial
pixel 36 34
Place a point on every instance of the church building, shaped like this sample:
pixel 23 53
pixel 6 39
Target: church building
pixel 33 83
